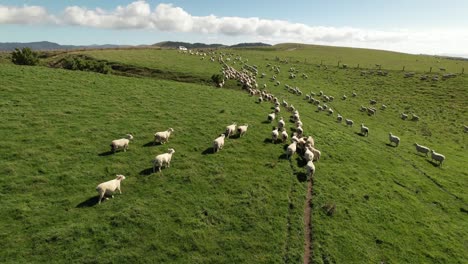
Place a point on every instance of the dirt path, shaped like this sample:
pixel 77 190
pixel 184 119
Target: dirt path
pixel 308 224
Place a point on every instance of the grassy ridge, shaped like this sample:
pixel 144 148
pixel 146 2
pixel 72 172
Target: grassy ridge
pixel 205 209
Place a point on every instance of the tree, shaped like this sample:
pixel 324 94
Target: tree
pixel 25 56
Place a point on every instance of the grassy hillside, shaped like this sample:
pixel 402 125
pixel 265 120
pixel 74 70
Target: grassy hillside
pixel 244 204
pixel 206 208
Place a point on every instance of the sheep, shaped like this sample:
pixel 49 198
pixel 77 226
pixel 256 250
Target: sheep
pixel 372 101
pixel 277 109
pixel 330 111
pixel 308 155
pixel 371 111
pixel 394 139
pixel 162 160
pixel 316 152
pixel 466 129
pixel 298 123
pixel 364 130
pixel 422 149
pixel 163 137
pixel 349 122
pixel 437 157
pixel 339 118
pixel 415 118
pixel 121 143
pixel 354 94
pixel 274 135
pixel 271 117
pixel 344 97
pixel 230 130
pixel 284 135
pixel 281 123
pixel 108 187
pixel 404 116
pixel 218 143
pixel 241 130
pixel 310 169
pixel 291 149
pixel 299 131
pixel 383 107
pixel 310 141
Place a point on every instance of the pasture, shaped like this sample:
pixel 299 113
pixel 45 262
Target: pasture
pixel 244 204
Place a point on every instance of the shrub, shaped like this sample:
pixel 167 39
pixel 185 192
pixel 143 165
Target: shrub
pixel 25 56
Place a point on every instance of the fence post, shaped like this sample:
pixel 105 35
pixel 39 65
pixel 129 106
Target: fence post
pixel 463 70
pixel 430 70
pixel 404 68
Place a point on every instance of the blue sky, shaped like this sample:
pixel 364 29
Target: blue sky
pixel 432 27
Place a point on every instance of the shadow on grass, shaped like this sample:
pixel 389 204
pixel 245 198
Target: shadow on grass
pixel 391 145
pixel 150 144
pixel 435 164
pixel 301 176
pixel 208 151
pixel 89 203
pixel 236 136
pixel 301 162
pixel 266 122
pixel 267 140
pixel 107 153
pixel 283 156
pixel 360 134
pixel 146 172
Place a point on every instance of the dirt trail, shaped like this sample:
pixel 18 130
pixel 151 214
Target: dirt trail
pixel 308 224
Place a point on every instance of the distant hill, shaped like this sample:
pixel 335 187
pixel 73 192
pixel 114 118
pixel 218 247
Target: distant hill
pixel 46 45
pixel 256 44
pixel 176 44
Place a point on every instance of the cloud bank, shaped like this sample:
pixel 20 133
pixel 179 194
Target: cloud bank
pixel 170 18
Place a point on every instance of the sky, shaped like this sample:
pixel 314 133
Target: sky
pixel 411 26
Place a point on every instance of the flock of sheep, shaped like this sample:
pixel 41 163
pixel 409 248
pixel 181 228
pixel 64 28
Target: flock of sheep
pixel 300 143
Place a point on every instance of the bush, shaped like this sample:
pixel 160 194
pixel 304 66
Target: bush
pixel 217 78
pixel 25 56
pixel 82 64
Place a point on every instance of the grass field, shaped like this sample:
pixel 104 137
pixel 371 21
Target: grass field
pixel 244 204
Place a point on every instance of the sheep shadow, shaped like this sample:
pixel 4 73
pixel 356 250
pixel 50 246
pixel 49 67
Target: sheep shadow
pixel 360 134
pixel 236 136
pixel 268 140
pixel 106 153
pixel 207 151
pixel 301 162
pixel 89 202
pixel 151 144
pixel 435 164
pixel 146 172
pixel 391 145
pixel 301 176
pixel 266 122
pixel 283 156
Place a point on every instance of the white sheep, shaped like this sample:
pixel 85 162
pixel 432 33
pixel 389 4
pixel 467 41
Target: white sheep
pixel 364 130
pixel 284 135
pixel 330 111
pixel 163 137
pixel 394 139
pixel 339 118
pixel 310 141
pixel 299 131
pixel 466 128
pixel 349 122
pixel 163 160
pixel 415 118
pixel 218 143
pixel 241 130
pixel 281 123
pixel 291 149
pixel 274 135
pixel 422 149
pixel 308 155
pixel 121 143
pixel 310 168
pixel 271 117
pixel 437 157
pixel 298 123
pixel 404 116
pixel 109 187
pixel 230 130
pixel 316 152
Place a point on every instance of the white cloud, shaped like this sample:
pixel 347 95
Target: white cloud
pixel 170 18
pixel 24 15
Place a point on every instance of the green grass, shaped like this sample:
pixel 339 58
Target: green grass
pixel 243 204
